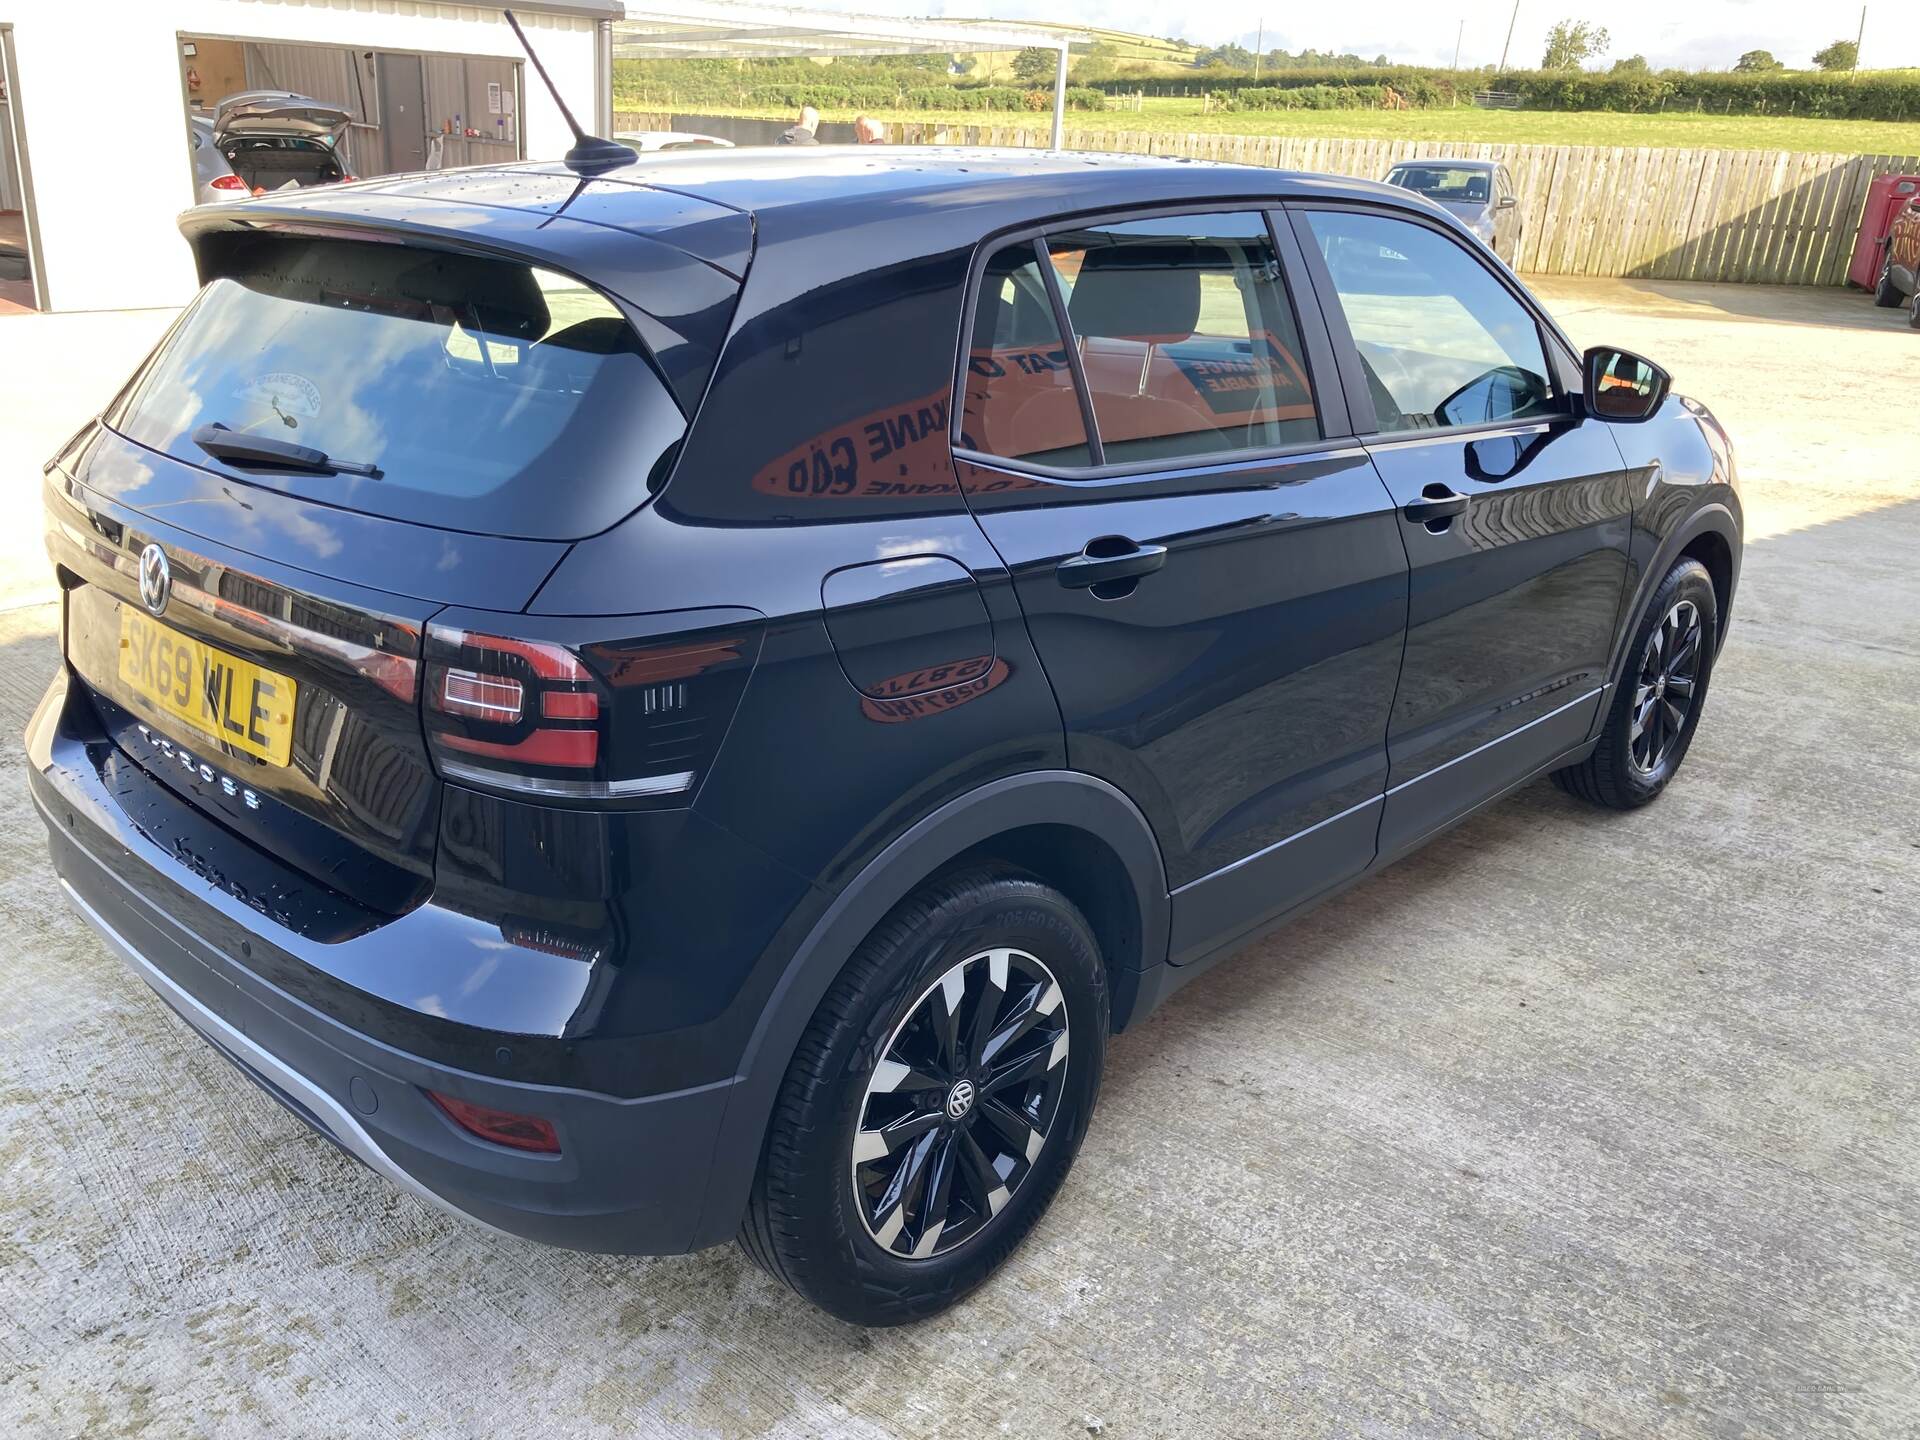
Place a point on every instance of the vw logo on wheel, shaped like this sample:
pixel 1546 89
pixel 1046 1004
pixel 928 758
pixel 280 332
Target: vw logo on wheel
pixel 156 579
pixel 960 1100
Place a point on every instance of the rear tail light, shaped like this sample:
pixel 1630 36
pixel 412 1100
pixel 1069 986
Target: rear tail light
pixel 348 179
pixel 501 1127
pixel 630 719
pixel 227 182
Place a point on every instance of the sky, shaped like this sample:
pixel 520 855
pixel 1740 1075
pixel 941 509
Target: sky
pixel 1689 34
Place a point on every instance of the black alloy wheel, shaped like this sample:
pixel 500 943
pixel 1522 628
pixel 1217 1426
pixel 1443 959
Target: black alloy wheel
pixel 959 1106
pixel 1655 708
pixel 1663 694
pixel 935 1105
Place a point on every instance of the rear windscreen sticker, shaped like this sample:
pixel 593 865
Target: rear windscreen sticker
pixel 292 397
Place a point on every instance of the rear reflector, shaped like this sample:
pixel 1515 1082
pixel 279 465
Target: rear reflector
pixel 566 749
pixel 500 1127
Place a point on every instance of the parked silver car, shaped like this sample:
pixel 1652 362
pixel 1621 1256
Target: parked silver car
pixel 213 178
pixel 262 140
pixel 1479 192
pixel 648 142
pixel 275 139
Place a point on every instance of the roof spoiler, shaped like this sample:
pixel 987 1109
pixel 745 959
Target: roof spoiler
pixel 680 304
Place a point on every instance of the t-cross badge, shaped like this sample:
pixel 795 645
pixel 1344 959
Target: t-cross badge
pixel 690 702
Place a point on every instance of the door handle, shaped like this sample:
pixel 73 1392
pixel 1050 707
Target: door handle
pixel 1112 557
pixel 1436 503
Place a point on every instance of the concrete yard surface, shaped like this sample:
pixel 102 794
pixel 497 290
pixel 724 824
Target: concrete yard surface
pixel 1574 1124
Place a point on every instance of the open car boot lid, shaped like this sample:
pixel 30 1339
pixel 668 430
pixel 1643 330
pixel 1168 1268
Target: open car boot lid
pixel 277 112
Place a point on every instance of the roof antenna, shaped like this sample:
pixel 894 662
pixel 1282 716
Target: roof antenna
pixel 590 154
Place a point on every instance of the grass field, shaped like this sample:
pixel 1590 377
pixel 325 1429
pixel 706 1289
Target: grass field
pixel 1514 127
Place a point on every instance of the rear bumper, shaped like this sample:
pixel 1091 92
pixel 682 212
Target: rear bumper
pixel 631 1175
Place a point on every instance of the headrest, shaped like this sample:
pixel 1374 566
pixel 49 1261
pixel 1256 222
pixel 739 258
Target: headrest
pixel 1148 292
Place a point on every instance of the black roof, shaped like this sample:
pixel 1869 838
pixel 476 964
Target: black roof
pixel 714 204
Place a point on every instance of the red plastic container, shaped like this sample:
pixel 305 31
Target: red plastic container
pixel 1884 198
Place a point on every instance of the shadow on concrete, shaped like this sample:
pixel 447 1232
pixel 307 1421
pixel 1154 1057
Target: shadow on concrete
pixel 1264 972
pixel 1831 306
pixel 1826 306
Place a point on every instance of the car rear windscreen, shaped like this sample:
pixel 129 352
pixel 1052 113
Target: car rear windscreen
pixel 484 395
pixel 1443 182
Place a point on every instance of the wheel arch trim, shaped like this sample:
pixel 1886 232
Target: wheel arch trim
pixel 1714 518
pixel 1063 798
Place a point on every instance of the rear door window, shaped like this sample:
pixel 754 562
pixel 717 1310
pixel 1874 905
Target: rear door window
pixel 1186 337
pixel 1020 402
pixel 490 396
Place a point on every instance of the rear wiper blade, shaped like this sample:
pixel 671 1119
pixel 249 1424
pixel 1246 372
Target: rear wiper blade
pixel 243 449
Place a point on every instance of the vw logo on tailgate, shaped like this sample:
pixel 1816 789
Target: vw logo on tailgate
pixel 156 579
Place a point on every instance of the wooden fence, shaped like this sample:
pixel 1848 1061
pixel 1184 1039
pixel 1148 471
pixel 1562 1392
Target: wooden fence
pixel 1761 216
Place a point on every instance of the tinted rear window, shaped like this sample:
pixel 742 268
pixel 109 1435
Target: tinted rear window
pixel 1443 182
pixel 492 397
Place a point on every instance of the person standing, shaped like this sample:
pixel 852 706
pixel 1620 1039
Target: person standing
pixel 804 132
pixel 869 131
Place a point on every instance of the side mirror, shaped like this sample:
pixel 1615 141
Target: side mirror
pixel 1622 385
pixel 1505 202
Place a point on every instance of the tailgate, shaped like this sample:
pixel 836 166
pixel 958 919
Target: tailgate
pixel 280 701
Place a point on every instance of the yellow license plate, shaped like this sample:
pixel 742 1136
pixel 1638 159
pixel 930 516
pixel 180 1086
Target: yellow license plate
pixel 222 696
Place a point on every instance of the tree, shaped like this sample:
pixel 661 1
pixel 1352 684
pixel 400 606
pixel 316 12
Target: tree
pixel 1034 65
pixel 1757 62
pixel 1632 65
pixel 1236 57
pixel 1841 55
pixel 1571 43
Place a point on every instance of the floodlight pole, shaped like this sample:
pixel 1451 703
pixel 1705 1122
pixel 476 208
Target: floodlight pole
pixel 1060 100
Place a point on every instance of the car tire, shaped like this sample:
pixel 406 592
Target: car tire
pixel 1886 294
pixel 1651 720
pixel 1913 308
pixel 879 1056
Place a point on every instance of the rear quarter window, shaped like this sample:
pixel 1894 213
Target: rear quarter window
pixel 492 397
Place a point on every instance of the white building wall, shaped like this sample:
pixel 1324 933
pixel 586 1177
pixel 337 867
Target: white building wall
pixel 99 82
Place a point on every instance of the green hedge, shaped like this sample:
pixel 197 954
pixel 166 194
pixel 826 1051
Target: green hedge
pixel 884 84
pixel 1302 97
pixel 925 97
pixel 1418 86
pixel 866 95
pixel 1893 95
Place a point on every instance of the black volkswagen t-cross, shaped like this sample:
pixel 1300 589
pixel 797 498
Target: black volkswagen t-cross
pixel 689 704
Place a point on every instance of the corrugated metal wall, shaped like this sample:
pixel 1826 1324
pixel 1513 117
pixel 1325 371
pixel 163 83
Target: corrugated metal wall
pixel 456 97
